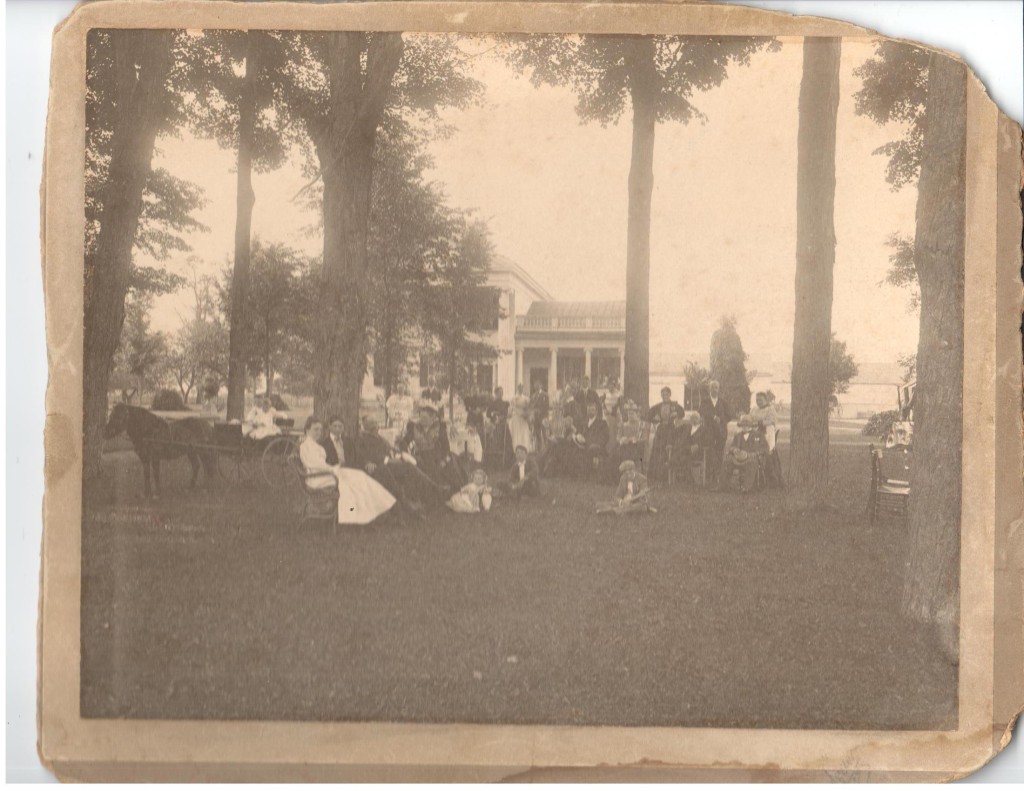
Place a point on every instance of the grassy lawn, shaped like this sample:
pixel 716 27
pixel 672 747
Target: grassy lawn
pixel 720 610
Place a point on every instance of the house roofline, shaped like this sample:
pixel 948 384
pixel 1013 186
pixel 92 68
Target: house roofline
pixel 502 262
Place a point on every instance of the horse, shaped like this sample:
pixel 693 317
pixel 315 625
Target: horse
pixel 152 439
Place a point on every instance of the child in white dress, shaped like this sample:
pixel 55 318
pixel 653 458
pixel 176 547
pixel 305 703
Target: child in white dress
pixel 474 497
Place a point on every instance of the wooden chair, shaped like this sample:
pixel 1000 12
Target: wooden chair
pixel 316 503
pixel 890 481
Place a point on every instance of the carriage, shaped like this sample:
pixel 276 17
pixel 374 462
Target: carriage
pixel 241 460
pixel 221 448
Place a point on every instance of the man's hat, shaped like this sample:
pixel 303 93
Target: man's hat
pixel 526 449
pixel 627 466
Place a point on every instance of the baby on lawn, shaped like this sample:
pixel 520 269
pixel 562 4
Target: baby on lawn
pixel 632 496
pixel 476 496
pixel 473 498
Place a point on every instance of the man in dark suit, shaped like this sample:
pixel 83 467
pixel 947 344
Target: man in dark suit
pixel 592 441
pixel 409 485
pixel 714 413
pixel 540 405
pixel 334 442
pixel 585 396
pixel 524 477
pixel 497 410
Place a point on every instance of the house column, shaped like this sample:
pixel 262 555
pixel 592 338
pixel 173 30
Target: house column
pixel 587 361
pixel 553 371
pixel 622 368
pixel 519 367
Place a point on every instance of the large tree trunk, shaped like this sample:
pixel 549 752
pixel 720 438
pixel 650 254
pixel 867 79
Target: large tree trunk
pixel 345 149
pixel 644 94
pixel 142 59
pixel 815 258
pixel 931 588
pixel 245 199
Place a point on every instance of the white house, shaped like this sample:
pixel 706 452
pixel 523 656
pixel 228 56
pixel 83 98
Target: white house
pixel 537 337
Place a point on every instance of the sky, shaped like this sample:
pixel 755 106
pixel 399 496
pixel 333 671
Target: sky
pixel 553 191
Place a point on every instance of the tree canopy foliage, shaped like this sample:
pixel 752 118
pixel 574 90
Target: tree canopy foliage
pixel 841 366
pixel 602 69
pixel 894 90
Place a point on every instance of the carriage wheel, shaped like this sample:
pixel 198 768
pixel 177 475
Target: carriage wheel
pixel 275 463
pixel 235 468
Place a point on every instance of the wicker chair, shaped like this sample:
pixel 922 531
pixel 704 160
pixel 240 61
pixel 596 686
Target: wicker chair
pixel 316 503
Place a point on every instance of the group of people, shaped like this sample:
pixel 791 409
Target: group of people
pixel 435 464
pixel 418 474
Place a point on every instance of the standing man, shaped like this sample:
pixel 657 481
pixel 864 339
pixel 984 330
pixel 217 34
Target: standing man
pixel 540 405
pixel 714 413
pixel 585 396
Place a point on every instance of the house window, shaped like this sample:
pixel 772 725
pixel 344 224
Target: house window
pixel 495 314
pixel 485 378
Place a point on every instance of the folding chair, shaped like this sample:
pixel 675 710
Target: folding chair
pixel 890 481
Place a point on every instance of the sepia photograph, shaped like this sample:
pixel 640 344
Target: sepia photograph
pixel 530 379
pixel 527 377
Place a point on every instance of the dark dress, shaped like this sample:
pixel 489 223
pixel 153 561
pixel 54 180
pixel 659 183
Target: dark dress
pixel 429 446
pixel 662 415
pixel 406 482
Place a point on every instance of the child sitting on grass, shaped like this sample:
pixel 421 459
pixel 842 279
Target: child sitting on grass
pixel 474 497
pixel 633 494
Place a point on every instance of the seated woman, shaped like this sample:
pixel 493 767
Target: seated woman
pixel 399 408
pixel 259 423
pixel 360 498
pixel 558 456
pixel 630 437
pixel 765 416
pixel 473 498
pixel 632 495
pixel 426 438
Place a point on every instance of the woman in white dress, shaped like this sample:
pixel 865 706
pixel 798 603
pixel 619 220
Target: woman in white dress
pixel 399 409
pixel 360 498
pixel 259 423
pixel 519 421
